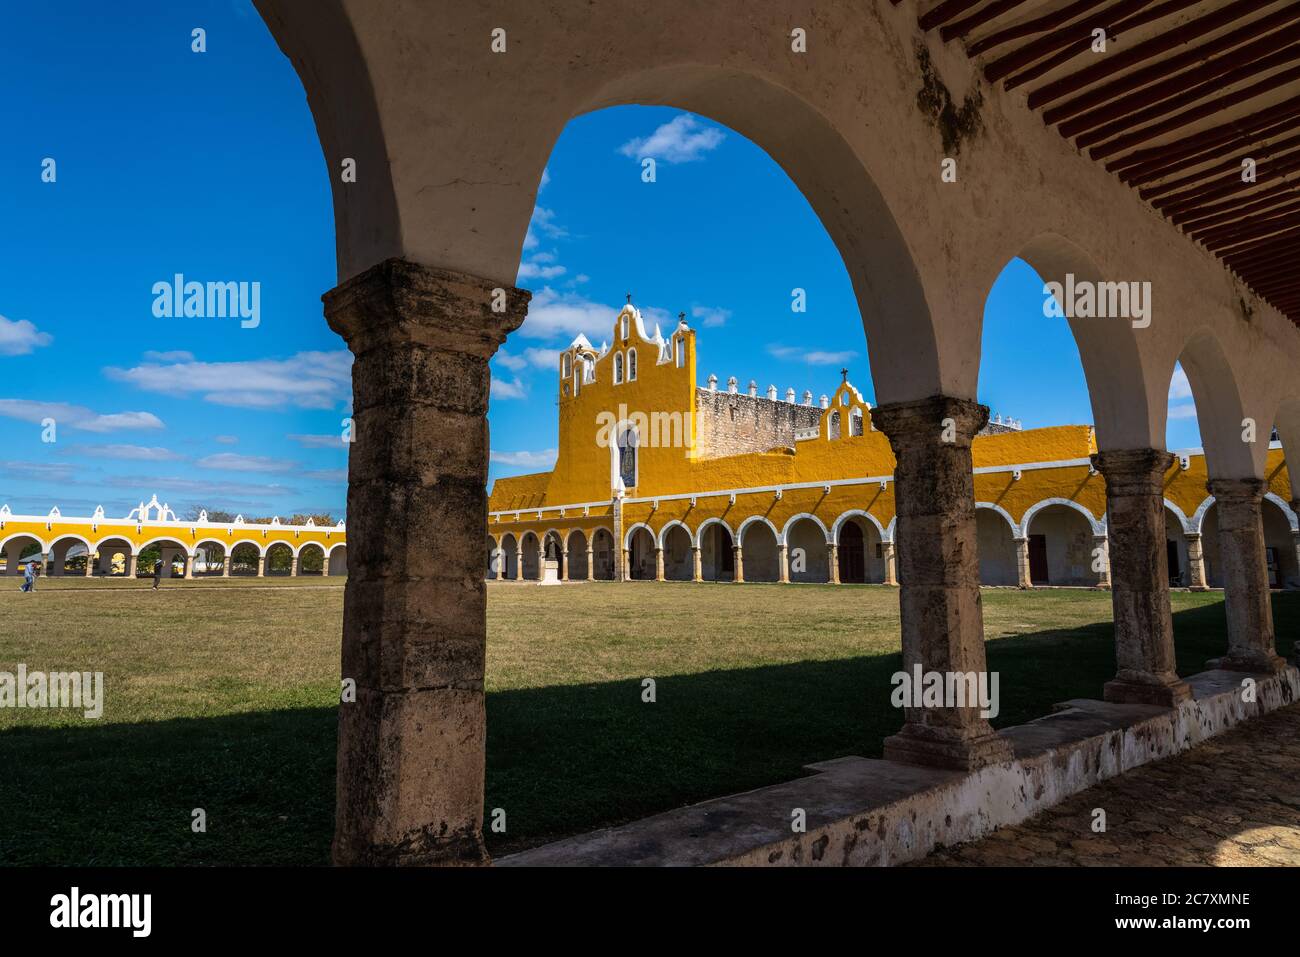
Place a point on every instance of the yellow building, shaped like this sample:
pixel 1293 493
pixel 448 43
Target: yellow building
pixel 109 547
pixel 658 478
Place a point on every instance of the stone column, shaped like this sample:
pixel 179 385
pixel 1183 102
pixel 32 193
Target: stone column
pixel 620 553
pixel 938 570
pixel 261 566
pixel 697 564
pixel 1195 562
pixel 130 566
pixel 411 747
pixel 90 564
pixel 293 566
pixel 225 565
pixel 1103 576
pixel 833 563
pixel 782 563
pixel 1023 577
pixel 564 565
pixel 891 571
pixel 659 564
pixel 56 564
pixel 1139 569
pixel 1251 643
pixel 738 555
pixel 189 566
pixel 626 568
pixel 591 566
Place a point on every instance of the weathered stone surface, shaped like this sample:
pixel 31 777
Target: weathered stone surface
pixel 938 573
pixel 1144 631
pixel 410 768
pixel 1251 643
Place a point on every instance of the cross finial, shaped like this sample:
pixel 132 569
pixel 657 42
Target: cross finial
pixel 681 316
pixel 629 299
pixel 845 374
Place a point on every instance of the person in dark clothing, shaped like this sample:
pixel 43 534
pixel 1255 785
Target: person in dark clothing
pixel 157 573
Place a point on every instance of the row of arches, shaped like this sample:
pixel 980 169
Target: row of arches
pixel 1057 542
pixel 115 556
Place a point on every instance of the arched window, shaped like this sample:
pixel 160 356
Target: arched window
pixel 681 352
pixel 577 378
pixel 564 366
pixel 833 425
pixel 631 365
pixel 618 368
pixel 855 422
pixel 627 458
pixel 625 326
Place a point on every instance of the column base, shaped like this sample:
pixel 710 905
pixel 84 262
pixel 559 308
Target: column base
pixel 423 850
pixel 1161 691
pixel 934 748
pixel 1198 587
pixel 1252 664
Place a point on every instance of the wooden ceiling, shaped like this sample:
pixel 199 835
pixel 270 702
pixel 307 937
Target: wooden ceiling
pixel 1185 93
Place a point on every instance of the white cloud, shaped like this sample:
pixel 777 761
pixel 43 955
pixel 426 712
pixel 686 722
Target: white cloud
pixel 531 270
pixel 76 416
pixel 234 462
pixel 307 380
pixel 19 337
pixel 554 313
pixel 544 222
pixel 137 453
pixel 318 441
pixel 335 476
pixel 1179 387
pixel 1187 411
pixel 512 362
pixel 682 139
pixel 813 357
pixel 54 472
pixel 226 439
pixel 546 178
pixel 711 316
pixel 543 459
pixel 543 358
pixel 503 388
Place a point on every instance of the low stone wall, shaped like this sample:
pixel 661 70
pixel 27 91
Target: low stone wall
pixel 871 812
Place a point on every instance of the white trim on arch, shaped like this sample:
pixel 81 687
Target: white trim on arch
pixel 856 513
pixel 335 547
pixel 1016 530
pixel 45 549
pixel 627 536
pixel 1186 523
pixel 699 543
pixel 1097 527
pixel 137 549
pixel 1198 517
pixel 785 531
pixel 1292 519
pixel 266 550
pixel 675 523
pixel 304 545
pixel 72 535
pixel 568 539
pixel 230 549
pixel 889 530
pixel 740 531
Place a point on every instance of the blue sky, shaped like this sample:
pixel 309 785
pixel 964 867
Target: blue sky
pixel 207 164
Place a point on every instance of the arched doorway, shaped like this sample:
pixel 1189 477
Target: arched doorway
pixel 1176 553
pixel 210 559
pixel 338 560
pixel 576 556
pixel 245 559
pixel 509 557
pixel 641 555
pixel 69 555
pixel 20 550
pixel 717 555
pixel 759 552
pixel 530 557
pixel 806 552
pixel 1279 547
pixel 1060 547
pixel 602 555
pixel 679 560
pixel 996 542
pixel 493 562
pixel 860 551
pixel 311 559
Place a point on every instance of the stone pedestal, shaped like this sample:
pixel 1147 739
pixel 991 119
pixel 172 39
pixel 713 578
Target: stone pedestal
pixel 1251 643
pixel 550 572
pixel 1023 578
pixel 938 572
pixel 1139 571
pixel 1195 563
pixel 411 748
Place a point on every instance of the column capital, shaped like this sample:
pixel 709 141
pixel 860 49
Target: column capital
pixel 1237 491
pixel 402 301
pixel 1133 471
pixel 922 420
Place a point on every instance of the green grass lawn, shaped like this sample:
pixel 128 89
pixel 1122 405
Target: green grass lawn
pixel 222 696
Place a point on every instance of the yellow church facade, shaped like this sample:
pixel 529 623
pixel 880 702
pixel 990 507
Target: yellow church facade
pixel 657 478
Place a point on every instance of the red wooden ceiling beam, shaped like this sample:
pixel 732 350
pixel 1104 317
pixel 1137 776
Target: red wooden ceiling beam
pixel 960 29
pixel 1033 27
pixel 943 12
pixel 1267 153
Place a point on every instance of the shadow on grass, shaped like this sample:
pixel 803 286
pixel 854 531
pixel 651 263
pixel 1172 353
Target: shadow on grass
pixel 561 760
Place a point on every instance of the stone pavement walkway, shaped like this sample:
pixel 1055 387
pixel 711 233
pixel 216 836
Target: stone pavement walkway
pixel 1232 801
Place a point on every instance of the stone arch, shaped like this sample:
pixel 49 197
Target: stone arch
pixel 311 558
pixel 1064 532
pixel 1288 513
pixel 1286 419
pixel 575 554
pixel 1280 545
pixel 277 558
pixel 337 559
pixel 716 542
pixel 1196 524
pixel 110 549
pixel 758 540
pixel 169 550
pixel 245 557
pixel 59 548
pixel 640 552
pixel 856 513
pixel 530 566
pixel 1177 528
pixel 859 537
pixel 785 529
pixel 996 533
pixel 603 549
pixel 806 534
pixel 679 559
pixel 215 556
pixel 12 546
pixel 1219 409
pixel 509 556
pixel 1183 520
